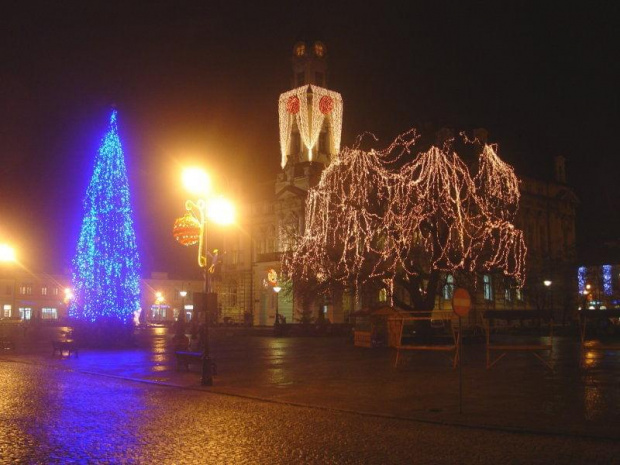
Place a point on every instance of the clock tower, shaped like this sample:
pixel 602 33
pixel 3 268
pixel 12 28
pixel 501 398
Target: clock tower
pixel 310 117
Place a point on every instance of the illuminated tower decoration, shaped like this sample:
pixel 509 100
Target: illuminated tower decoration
pixel 106 265
pixel 310 115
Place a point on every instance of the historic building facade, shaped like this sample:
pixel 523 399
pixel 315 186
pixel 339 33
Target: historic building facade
pixel 310 123
pixel 310 134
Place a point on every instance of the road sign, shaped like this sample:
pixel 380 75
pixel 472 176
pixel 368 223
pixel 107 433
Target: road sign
pixel 461 302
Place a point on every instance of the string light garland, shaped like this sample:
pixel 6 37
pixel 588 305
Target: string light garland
pixel 293 108
pixel 371 218
pixel 106 267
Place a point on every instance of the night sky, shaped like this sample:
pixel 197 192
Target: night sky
pixel 197 82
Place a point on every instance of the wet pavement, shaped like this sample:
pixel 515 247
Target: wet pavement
pixel 303 400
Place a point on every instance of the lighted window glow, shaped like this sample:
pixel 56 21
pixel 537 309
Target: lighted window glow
pixel 25 313
pixel 487 287
pixel 49 313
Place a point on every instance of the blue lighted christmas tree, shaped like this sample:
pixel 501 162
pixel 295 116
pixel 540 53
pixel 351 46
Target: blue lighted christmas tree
pixel 106 266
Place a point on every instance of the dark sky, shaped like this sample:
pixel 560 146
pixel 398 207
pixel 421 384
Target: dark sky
pixel 198 82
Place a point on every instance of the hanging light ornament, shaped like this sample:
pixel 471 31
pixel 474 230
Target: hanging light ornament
pixel 326 104
pixel 186 230
pixel 292 105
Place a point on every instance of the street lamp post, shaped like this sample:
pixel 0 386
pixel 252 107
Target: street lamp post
pixel 180 339
pixel 220 211
pixel 183 294
pixel 276 325
pixel 548 301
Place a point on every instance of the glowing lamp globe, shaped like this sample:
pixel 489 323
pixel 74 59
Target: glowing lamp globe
pixel 7 253
pixel 221 211
pixel 196 181
pixel 186 230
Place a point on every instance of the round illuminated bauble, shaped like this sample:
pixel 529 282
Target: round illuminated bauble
pixel 186 230
pixel 272 277
pixel 326 104
pixel 292 104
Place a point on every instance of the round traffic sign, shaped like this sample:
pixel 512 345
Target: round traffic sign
pixel 461 302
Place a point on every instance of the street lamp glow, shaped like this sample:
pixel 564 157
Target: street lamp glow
pixel 7 253
pixel 276 289
pixel 69 295
pixel 547 282
pixel 183 293
pixel 197 181
pixel 221 211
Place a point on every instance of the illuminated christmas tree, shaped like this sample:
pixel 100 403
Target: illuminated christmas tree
pixel 106 265
pixel 380 219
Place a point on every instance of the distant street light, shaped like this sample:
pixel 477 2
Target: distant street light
pixel 8 255
pixel 548 295
pixel 276 325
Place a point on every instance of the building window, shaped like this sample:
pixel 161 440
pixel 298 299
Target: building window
pixel 301 79
pixel 25 289
pixel 6 313
pixel 487 287
pixel 49 313
pixel 54 291
pixel 383 295
pixel 448 288
pixel 508 295
pixel 519 294
pixel 44 290
pixel 25 313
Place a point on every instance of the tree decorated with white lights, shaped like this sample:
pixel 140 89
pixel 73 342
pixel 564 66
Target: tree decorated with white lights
pixel 106 265
pixel 384 217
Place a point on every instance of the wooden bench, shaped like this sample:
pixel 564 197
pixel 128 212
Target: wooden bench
pixel 539 316
pixel 424 316
pixel 186 358
pixel 64 346
pixel 591 346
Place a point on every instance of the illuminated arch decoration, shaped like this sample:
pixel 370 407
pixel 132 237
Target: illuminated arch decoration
pixel 308 106
pixel 106 267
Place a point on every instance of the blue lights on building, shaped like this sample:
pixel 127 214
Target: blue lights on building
pixel 582 272
pixel 106 266
pixel 607 280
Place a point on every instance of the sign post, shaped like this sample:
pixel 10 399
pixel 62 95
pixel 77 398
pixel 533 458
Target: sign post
pixel 461 304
